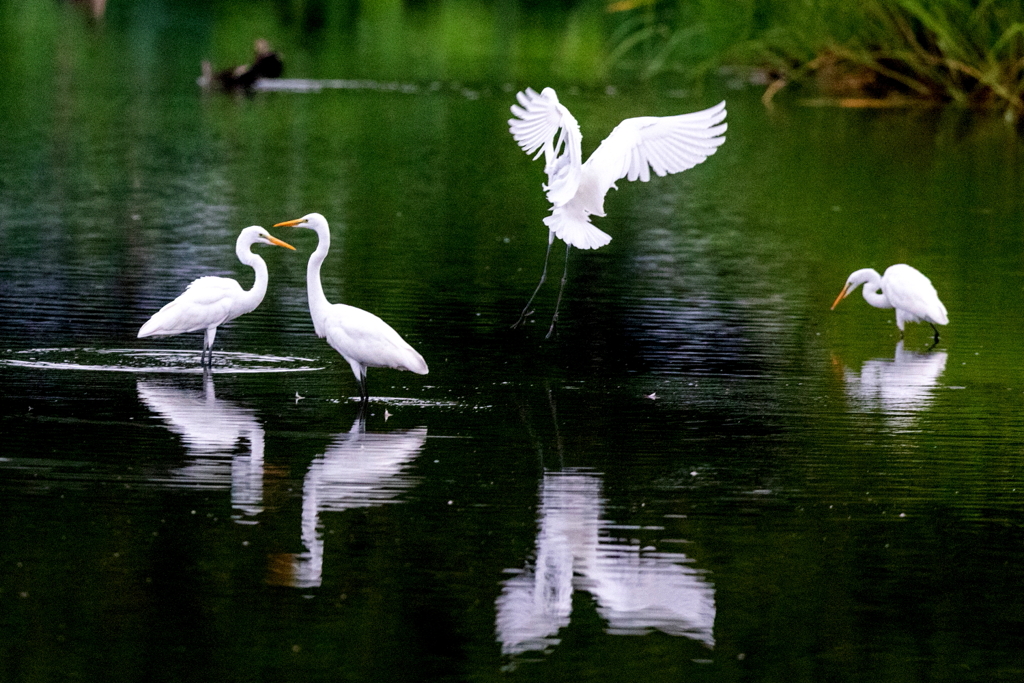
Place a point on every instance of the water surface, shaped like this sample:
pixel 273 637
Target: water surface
pixel 705 474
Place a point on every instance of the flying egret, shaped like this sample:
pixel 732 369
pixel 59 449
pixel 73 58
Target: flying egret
pixel 363 339
pixel 211 301
pixel 902 287
pixel 576 190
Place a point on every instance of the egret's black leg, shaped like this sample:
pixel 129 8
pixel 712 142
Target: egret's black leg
pixel 364 394
pixel 558 302
pixel 208 337
pixel 936 332
pixel 543 277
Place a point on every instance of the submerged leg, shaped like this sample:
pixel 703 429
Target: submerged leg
pixel 211 332
pixel 543 277
pixel 561 286
pixel 360 372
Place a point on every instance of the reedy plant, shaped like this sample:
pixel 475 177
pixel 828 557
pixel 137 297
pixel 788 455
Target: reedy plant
pixel 965 51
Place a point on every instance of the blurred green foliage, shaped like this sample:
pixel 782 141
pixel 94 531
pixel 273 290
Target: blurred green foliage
pixel 453 40
pixel 969 52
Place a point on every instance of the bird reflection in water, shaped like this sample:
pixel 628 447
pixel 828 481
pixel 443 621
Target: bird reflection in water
pixel 359 469
pixel 898 387
pixel 636 589
pixel 211 430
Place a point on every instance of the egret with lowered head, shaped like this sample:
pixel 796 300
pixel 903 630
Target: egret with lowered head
pixel 211 301
pixel 576 190
pixel 363 339
pixel 902 287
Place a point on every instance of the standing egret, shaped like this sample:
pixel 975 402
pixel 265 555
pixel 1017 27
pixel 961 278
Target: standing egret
pixel 211 301
pixel 363 339
pixel 904 288
pixel 576 190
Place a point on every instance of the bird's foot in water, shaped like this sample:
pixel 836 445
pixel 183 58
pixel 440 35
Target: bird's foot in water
pixel 522 318
pixel 551 330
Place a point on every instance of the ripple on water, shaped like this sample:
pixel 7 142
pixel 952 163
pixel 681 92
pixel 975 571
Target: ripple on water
pixel 154 360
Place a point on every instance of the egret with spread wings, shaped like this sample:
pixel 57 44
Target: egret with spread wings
pixel 576 189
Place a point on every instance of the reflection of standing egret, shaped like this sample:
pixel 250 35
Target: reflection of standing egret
pixel 904 288
pixel 363 339
pixel 211 428
pixel 211 301
pixel 897 386
pixel 359 469
pixel 576 189
pixel 636 589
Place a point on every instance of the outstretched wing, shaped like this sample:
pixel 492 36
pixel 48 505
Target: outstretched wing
pixel 539 118
pixel 664 144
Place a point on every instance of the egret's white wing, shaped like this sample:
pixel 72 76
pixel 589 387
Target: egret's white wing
pixel 539 119
pixel 209 290
pixel 207 301
pixel 666 144
pixel 361 336
pixel 910 290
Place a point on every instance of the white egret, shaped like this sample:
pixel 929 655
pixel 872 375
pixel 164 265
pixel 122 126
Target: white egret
pixel 211 301
pixel 902 287
pixel 363 339
pixel 576 190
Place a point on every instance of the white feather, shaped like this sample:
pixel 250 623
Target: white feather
pixel 668 144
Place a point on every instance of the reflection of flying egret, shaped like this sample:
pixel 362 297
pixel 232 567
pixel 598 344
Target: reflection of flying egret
pixel 904 288
pixel 363 339
pixel 636 589
pixel 359 469
pixel 212 301
pixel 576 190
pixel 210 429
pixel 898 386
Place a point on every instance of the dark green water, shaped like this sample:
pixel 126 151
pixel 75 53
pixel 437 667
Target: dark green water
pixel 705 475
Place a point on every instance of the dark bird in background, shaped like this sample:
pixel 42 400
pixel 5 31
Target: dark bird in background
pixel 266 64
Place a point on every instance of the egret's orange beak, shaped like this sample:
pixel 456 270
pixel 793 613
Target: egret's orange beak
pixel 288 224
pixel 842 295
pixel 274 240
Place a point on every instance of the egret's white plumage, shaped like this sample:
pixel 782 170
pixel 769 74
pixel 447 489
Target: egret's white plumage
pixel 212 301
pixel 903 288
pixel 576 189
pixel 363 339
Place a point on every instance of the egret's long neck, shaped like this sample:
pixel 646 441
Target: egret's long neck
pixel 254 296
pixel 873 293
pixel 314 288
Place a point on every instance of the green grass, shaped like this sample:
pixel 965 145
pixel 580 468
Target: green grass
pixel 961 51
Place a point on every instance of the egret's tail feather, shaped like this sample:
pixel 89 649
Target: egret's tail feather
pixel 575 229
pixel 152 328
